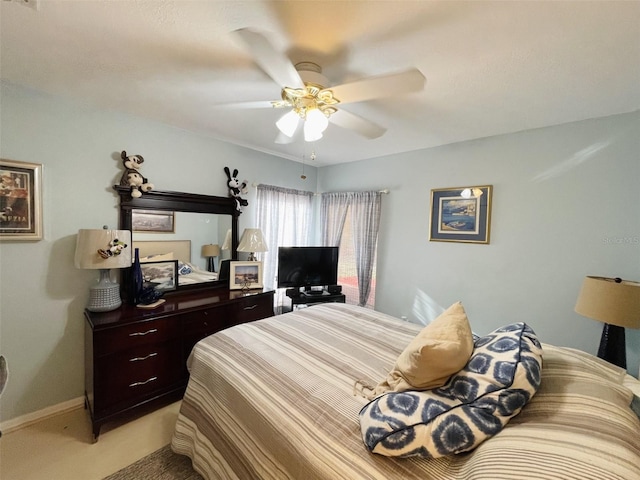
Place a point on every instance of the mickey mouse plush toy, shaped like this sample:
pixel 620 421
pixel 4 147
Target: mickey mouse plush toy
pixel 132 176
pixel 236 188
pixel 115 248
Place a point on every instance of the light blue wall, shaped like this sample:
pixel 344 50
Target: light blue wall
pixel 42 295
pixel 565 200
pixel 565 205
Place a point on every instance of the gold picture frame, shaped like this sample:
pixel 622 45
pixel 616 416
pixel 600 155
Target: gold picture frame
pixel 20 200
pixel 461 214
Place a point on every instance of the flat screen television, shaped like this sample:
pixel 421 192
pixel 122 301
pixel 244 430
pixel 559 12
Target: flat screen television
pixel 307 267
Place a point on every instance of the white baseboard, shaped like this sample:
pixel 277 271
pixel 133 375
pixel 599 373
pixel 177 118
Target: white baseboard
pixel 34 417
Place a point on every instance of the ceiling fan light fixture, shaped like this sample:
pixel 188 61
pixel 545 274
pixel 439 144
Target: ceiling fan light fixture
pixel 317 120
pixel 311 135
pixel 288 123
pixel 315 124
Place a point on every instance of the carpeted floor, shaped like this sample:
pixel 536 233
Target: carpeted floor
pixel 162 464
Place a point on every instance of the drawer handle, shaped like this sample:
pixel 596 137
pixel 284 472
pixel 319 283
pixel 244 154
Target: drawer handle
pixel 251 307
pixel 139 359
pixel 142 334
pixel 137 384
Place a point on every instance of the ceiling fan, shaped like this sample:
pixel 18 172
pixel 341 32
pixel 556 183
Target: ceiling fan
pixel 313 103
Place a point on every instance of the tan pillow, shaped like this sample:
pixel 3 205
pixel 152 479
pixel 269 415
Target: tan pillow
pixel 441 349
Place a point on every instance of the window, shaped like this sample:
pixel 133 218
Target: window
pixel 284 216
pixel 347 271
pixel 351 221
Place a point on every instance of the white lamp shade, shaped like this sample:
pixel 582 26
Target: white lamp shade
pixel 317 120
pixel 252 241
pixel 311 135
pixel 609 300
pixel 288 123
pixel 226 245
pixel 89 243
pixel 316 123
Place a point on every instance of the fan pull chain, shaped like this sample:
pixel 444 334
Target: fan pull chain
pixel 303 176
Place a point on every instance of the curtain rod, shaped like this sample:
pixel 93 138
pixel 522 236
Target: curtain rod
pixel 384 190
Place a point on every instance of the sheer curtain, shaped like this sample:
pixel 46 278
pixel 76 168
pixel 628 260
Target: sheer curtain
pixel 284 216
pixel 365 222
pixel 365 217
pixel 333 212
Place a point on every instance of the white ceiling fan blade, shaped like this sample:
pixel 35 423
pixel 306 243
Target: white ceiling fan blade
pixel 245 105
pixel 348 120
pixel 382 86
pixel 274 63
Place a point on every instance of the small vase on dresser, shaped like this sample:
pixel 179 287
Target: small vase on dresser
pixel 136 278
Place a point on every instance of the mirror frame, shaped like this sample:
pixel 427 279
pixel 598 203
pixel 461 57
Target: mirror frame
pixel 178 202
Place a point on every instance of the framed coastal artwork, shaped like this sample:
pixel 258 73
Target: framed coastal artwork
pixel 461 214
pixel 20 200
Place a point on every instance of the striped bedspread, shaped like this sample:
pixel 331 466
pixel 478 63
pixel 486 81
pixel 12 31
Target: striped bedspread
pixel 274 399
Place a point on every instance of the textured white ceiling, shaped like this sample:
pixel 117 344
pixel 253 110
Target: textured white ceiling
pixel 491 67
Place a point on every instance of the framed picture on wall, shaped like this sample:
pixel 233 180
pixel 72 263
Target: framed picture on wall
pixel 461 214
pixel 245 275
pixel 20 200
pixel 152 221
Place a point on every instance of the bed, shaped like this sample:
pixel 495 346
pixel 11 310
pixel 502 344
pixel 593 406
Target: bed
pixel 275 399
pixel 180 250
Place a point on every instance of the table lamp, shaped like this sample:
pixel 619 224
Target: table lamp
pixel 211 251
pixel 616 303
pixel 103 249
pixel 252 241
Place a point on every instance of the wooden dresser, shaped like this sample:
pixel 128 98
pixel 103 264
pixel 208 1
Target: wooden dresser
pixel 136 358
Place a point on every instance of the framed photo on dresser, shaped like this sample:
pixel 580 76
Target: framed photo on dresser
pixel 162 275
pixel 245 275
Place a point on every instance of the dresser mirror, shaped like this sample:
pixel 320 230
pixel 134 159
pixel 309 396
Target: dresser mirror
pixel 180 223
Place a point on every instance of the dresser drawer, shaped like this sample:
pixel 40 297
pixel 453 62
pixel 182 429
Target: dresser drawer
pixel 137 372
pixel 135 335
pixel 205 322
pixel 250 308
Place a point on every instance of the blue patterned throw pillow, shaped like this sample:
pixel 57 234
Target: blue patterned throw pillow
pixel 184 268
pixel 499 379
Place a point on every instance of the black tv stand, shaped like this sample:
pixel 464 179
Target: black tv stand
pixel 311 298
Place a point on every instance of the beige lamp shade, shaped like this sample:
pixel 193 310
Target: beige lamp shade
pixel 210 250
pixel 610 300
pixel 103 249
pixel 95 249
pixel 252 241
